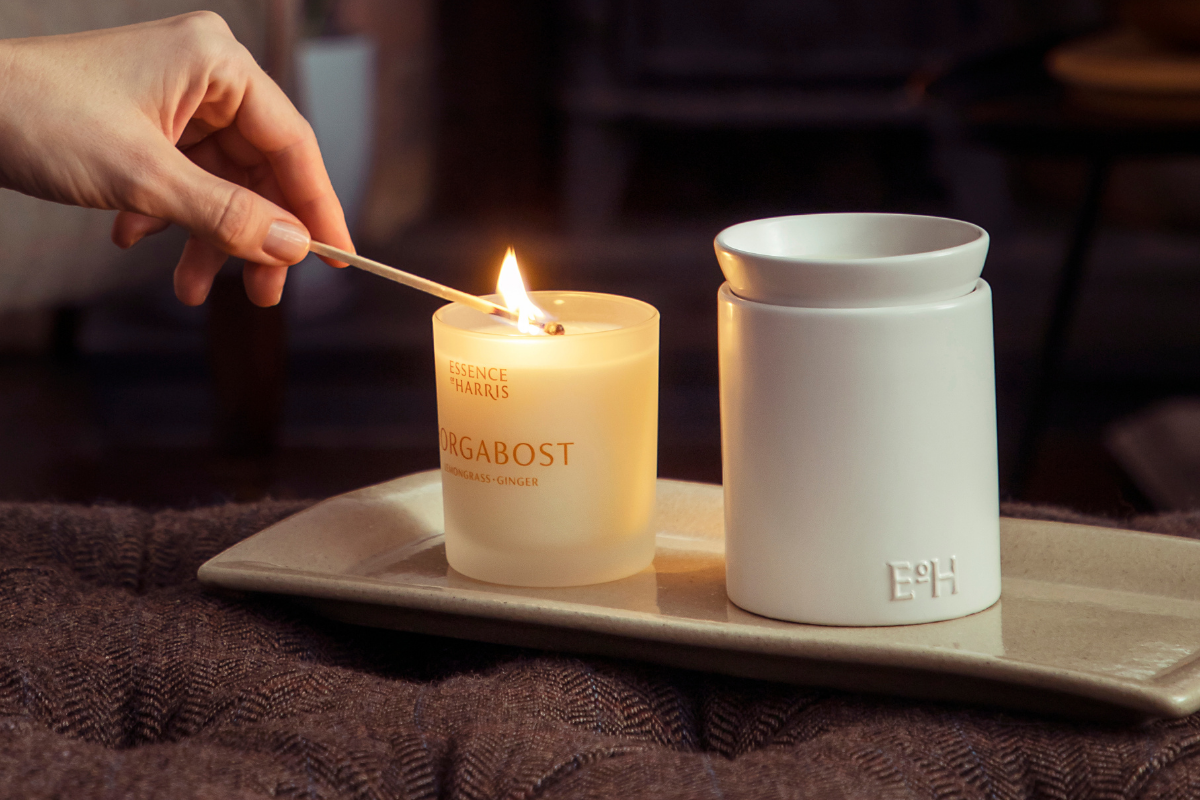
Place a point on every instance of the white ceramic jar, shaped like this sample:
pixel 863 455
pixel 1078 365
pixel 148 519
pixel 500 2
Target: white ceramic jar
pixel 858 419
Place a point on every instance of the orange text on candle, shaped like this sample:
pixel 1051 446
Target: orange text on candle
pixel 483 477
pixel 482 381
pixel 523 454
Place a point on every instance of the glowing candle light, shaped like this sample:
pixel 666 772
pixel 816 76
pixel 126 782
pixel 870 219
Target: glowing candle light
pixel 548 443
pixel 511 289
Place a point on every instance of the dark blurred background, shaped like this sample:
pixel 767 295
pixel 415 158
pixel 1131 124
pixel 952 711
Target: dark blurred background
pixel 609 141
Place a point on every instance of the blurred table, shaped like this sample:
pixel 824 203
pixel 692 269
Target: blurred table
pixel 1008 101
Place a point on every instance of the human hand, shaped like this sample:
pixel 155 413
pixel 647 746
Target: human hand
pixel 170 121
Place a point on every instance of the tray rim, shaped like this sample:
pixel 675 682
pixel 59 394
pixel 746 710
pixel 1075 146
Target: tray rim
pixel 1173 693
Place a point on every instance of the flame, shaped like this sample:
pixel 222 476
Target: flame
pixel 512 289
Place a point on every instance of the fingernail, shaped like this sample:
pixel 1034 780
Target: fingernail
pixel 285 241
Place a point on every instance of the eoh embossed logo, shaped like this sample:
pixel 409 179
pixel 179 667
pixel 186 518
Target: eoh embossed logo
pixel 907 578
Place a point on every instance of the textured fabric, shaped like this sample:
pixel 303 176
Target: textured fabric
pixel 120 677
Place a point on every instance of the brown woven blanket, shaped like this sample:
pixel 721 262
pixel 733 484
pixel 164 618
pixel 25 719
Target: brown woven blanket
pixel 120 677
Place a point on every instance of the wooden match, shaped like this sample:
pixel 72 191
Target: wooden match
pixel 428 286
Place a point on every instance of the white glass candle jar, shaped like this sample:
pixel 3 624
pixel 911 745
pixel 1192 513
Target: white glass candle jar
pixel 858 419
pixel 549 444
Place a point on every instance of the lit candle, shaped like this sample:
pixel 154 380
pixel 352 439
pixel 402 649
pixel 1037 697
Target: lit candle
pixel 548 443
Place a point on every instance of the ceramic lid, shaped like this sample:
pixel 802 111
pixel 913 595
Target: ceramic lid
pixel 852 260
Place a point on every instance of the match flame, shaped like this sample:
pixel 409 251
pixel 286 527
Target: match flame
pixel 512 289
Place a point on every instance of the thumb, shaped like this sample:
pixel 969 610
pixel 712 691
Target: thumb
pixel 230 217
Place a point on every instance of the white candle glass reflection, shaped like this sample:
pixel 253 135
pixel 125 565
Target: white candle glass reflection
pixel 549 443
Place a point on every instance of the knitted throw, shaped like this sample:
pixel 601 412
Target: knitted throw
pixel 120 677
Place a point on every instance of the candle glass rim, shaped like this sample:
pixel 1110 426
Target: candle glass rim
pixel 651 318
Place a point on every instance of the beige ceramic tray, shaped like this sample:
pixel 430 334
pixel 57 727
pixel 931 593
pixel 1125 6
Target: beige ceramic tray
pixel 1093 622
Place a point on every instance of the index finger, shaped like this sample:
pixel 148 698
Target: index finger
pixel 272 125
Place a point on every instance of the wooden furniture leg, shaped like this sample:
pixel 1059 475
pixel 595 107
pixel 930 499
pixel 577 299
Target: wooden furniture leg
pixel 1058 329
pixel 247 345
pixel 247 356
